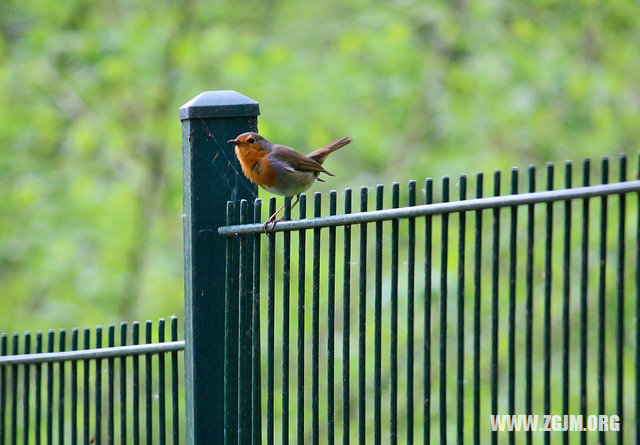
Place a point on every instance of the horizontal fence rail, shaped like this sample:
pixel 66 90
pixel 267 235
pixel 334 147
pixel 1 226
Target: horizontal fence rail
pixel 71 393
pixel 525 303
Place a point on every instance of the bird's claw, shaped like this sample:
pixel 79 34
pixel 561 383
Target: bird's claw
pixel 273 221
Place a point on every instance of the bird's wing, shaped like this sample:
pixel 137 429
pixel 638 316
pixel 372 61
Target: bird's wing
pixel 296 160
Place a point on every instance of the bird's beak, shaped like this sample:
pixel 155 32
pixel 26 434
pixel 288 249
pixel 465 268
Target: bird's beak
pixel 233 141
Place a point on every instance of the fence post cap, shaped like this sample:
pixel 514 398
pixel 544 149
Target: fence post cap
pixel 223 103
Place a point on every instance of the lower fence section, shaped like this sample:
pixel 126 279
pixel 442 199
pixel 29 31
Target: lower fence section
pixel 114 385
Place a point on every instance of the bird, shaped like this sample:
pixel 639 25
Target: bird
pixel 279 169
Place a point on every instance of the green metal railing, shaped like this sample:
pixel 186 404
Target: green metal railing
pixel 72 407
pixel 546 302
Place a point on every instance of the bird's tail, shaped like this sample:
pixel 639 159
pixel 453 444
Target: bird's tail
pixel 321 154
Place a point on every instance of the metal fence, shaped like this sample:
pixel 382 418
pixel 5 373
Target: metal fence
pixel 62 390
pixel 533 323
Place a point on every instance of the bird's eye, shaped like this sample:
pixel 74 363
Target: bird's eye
pixel 251 140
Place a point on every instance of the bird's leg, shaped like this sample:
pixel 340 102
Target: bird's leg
pixel 272 219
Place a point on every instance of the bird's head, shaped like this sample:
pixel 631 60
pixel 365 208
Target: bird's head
pixel 251 141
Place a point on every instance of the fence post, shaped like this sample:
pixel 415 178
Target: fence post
pixel 211 177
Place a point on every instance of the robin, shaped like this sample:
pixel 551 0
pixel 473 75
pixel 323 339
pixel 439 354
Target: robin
pixel 281 170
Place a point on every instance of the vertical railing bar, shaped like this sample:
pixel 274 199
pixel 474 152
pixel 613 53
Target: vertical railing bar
pixel 346 321
pixel 528 368
pixel 97 435
pixel 511 378
pixel 38 392
pixel 242 298
pixel 584 264
pixel 411 259
pixel 286 297
pixel 547 301
pixel 174 385
pixel 14 391
pixel 61 389
pixel 110 383
pixel 230 431
pixel 74 389
pixel 270 324
pixel 162 430
pixel 362 322
pixel 477 293
pixel 444 258
pixel 50 347
pixel 26 382
pixel 3 390
pixel 86 401
pixel 315 407
pixel 331 301
pixel 393 358
pixel 302 240
pixel 148 389
pixel 135 409
pixel 123 385
pixel 637 285
pixel 462 216
pixel 566 299
pixel 426 417
pixel 601 295
pixel 495 256
pixel 378 324
pixel 622 212
pixel 256 397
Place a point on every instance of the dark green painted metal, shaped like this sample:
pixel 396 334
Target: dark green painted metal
pixel 602 285
pixel 393 356
pixel 495 258
pixel 74 390
pixel 444 259
pixel 243 327
pixel 426 400
pixel 26 381
pixel 622 212
pixel 86 401
pixel 98 392
pixel 123 386
pixel 286 298
pixel 511 326
pixel 377 380
pixel 362 323
pixel 148 389
pixel 546 342
pixel 302 245
pixel 3 390
pixel 346 321
pixel 50 348
pixel 566 298
pixel 411 260
pixel 528 309
pixel 584 274
pixel 477 295
pixel 331 302
pixel 110 384
pixel 270 324
pixel 256 395
pixel 211 177
pixel 230 339
pixel 38 392
pixel 135 409
pixel 461 251
pixel 162 427
pixel 315 326
pixel 14 391
pixel 175 419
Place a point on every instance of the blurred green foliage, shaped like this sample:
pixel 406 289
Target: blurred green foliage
pixel 90 168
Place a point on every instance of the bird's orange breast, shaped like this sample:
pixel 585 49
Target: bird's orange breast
pixel 255 166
